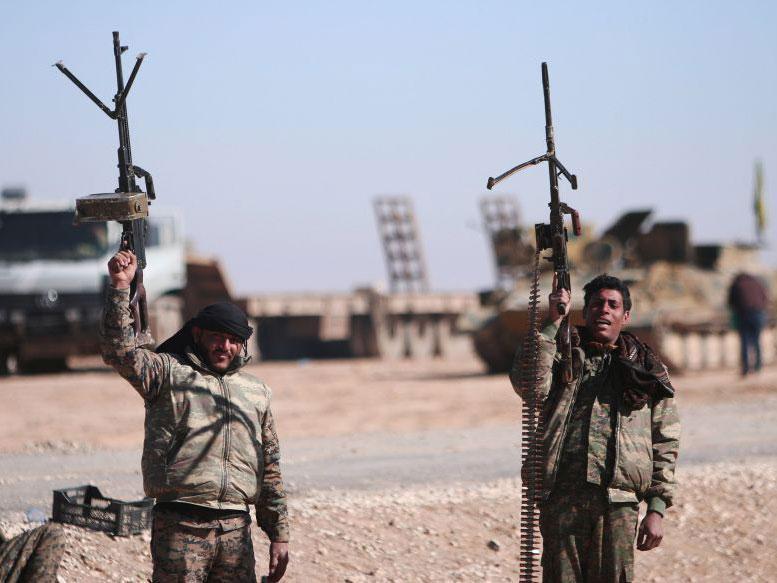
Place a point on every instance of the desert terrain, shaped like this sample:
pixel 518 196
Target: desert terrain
pixel 397 471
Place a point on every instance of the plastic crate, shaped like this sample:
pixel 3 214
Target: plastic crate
pixel 86 506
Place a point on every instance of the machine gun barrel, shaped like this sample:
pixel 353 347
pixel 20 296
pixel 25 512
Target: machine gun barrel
pixel 129 204
pixel 551 235
pixel 548 115
pixel 126 175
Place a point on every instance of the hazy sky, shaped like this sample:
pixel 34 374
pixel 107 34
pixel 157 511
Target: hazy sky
pixel 272 125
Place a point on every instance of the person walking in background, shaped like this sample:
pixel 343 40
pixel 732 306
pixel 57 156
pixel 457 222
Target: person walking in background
pixel 749 300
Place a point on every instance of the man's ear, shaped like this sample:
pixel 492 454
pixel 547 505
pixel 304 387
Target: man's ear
pixel 626 317
pixel 196 333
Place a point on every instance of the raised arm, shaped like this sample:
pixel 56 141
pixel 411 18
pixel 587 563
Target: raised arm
pixel 145 370
pixel 548 353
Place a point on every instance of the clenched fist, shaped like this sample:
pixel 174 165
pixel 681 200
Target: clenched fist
pixel 558 296
pixel 121 269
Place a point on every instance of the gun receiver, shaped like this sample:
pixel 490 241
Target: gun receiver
pixel 128 204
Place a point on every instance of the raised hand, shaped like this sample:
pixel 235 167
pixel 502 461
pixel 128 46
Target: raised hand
pixel 558 296
pixel 121 269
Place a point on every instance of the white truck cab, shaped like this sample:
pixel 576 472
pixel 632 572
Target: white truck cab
pixel 53 276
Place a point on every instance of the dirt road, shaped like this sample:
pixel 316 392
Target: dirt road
pixel 383 460
pixel 376 454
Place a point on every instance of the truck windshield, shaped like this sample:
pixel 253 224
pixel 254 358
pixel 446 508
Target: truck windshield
pixel 49 235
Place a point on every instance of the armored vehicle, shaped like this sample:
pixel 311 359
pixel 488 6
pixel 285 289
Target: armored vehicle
pixel 678 289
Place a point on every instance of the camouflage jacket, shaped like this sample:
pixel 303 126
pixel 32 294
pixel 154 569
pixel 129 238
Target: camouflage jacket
pixel 646 438
pixel 209 438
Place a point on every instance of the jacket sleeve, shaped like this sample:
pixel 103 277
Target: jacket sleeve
pixel 145 370
pixel 547 356
pixel 271 511
pixel 666 445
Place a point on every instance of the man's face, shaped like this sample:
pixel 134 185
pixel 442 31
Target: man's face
pixel 605 315
pixel 218 348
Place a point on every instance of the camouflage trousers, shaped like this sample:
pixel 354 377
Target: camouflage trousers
pixel 585 539
pixel 33 556
pixel 193 550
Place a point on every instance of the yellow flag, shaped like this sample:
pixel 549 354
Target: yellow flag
pixel 759 206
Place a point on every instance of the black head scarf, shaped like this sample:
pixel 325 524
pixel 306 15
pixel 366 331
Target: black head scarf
pixel 221 317
pixel 643 375
pixel 224 317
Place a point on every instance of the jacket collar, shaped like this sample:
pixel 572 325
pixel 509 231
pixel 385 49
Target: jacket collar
pixel 636 356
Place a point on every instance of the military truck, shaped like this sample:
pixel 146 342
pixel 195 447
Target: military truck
pixel 53 277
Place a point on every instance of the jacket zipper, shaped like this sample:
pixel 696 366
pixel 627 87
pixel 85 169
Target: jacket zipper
pixel 227 436
pixel 617 442
pixel 564 431
pixel 616 437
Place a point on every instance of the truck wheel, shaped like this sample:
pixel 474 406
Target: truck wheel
pixel 9 364
pixel 42 365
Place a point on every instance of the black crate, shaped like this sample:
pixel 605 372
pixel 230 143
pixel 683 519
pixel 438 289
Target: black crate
pixel 86 506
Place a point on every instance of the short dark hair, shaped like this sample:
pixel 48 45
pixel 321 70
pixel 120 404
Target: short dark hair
pixel 605 281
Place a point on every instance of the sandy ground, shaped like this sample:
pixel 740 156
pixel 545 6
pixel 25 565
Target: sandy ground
pixel 310 399
pixel 721 530
pixel 470 534
pixel 98 409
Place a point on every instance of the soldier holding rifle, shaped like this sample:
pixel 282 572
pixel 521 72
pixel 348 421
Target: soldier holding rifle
pixel 210 445
pixel 611 440
pixel 600 431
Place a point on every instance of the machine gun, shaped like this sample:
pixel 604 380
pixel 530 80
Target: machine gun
pixel 128 204
pixel 551 235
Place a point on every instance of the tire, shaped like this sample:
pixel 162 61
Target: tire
pixel 9 363
pixel 42 365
